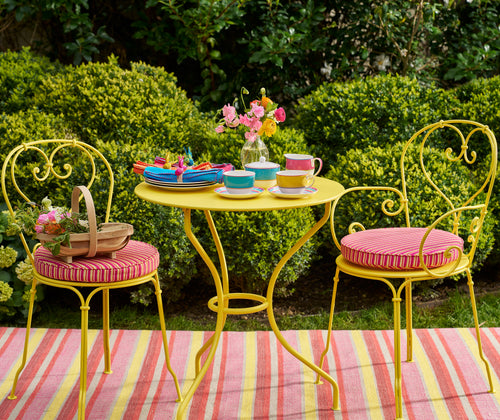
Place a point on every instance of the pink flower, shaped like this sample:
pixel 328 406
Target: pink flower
pixel 43 219
pixel 52 216
pixel 230 117
pixel 38 228
pixel 255 124
pixel 280 115
pixel 229 111
pixel 219 129
pixel 251 135
pixel 232 123
pixel 245 120
pixel 257 110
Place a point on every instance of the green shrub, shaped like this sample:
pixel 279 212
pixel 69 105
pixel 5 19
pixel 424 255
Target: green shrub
pixel 142 105
pixel 255 242
pixel 15 273
pixel 161 226
pixel 21 74
pixel 377 166
pixel 29 125
pixel 376 111
pixel 480 101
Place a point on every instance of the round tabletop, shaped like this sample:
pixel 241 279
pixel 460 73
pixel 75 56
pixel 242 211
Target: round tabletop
pixel 208 199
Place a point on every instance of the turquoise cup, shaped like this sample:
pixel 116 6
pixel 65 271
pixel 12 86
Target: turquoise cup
pixel 239 182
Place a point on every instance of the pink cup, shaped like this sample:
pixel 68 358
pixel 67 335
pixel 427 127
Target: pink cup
pixel 303 163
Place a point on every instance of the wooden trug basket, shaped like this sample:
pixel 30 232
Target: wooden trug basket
pixel 110 238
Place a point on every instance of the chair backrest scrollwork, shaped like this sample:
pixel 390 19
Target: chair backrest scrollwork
pixel 457 161
pixel 34 170
pixel 447 173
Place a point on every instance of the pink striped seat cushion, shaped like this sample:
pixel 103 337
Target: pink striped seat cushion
pixel 397 248
pixel 135 260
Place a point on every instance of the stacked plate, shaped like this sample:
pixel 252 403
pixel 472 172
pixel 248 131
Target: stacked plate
pixel 184 186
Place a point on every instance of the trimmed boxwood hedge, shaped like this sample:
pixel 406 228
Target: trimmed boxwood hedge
pixel 376 111
pixel 139 113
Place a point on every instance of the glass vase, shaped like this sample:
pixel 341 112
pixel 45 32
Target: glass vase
pixel 253 150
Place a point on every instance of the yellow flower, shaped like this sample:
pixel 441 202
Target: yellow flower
pixel 268 128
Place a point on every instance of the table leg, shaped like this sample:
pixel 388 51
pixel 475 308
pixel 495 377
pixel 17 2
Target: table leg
pixel 270 311
pixel 222 290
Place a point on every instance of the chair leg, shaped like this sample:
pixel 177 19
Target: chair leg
pixel 330 321
pixel 409 323
pixel 83 360
pixel 105 331
pixel 397 358
pixel 12 395
pixel 470 283
pixel 164 335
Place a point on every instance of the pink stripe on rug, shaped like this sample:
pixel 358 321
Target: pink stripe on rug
pixel 348 377
pixel 382 374
pixel 443 376
pixel 99 400
pixel 471 377
pixel 263 384
pixel 198 405
pixel 163 405
pixel 140 393
pixel 282 384
pixel 324 392
pixel 31 369
pixel 292 404
pixel 56 370
pixel 228 400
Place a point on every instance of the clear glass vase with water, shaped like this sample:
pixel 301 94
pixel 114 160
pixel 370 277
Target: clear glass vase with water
pixel 253 150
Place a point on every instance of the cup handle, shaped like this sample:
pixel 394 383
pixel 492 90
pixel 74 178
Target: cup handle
pixel 309 177
pixel 320 165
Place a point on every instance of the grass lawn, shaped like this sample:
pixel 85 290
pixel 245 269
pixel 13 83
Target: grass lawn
pixel 452 311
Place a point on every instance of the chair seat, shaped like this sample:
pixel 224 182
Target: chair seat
pixel 398 248
pixel 137 259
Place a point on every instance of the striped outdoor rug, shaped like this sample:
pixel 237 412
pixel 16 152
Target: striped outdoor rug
pixel 252 376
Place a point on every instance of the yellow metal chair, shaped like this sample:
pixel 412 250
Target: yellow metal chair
pixel 30 172
pixel 402 256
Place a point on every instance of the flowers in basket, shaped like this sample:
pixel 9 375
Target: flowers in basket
pixel 59 222
pixel 261 118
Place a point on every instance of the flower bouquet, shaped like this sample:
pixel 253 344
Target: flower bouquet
pixel 260 119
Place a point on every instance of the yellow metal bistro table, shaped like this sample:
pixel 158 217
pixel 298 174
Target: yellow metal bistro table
pixel 207 200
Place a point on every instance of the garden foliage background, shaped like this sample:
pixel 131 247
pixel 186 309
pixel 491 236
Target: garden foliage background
pixel 139 78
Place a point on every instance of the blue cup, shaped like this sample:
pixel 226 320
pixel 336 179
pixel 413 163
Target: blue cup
pixel 239 182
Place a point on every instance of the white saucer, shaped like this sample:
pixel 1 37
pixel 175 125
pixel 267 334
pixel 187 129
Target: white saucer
pixel 255 192
pixel 308 192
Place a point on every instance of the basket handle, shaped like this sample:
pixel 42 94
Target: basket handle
pixel 89 203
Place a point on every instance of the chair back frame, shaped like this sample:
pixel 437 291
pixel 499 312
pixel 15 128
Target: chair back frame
pixel 51 153
pixel 477 201
pixel 466 145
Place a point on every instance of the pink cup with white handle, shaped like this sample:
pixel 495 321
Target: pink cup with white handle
pixel 303 163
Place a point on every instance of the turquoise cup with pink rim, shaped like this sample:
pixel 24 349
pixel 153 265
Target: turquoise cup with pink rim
pixel 239 182
pixel 295 161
